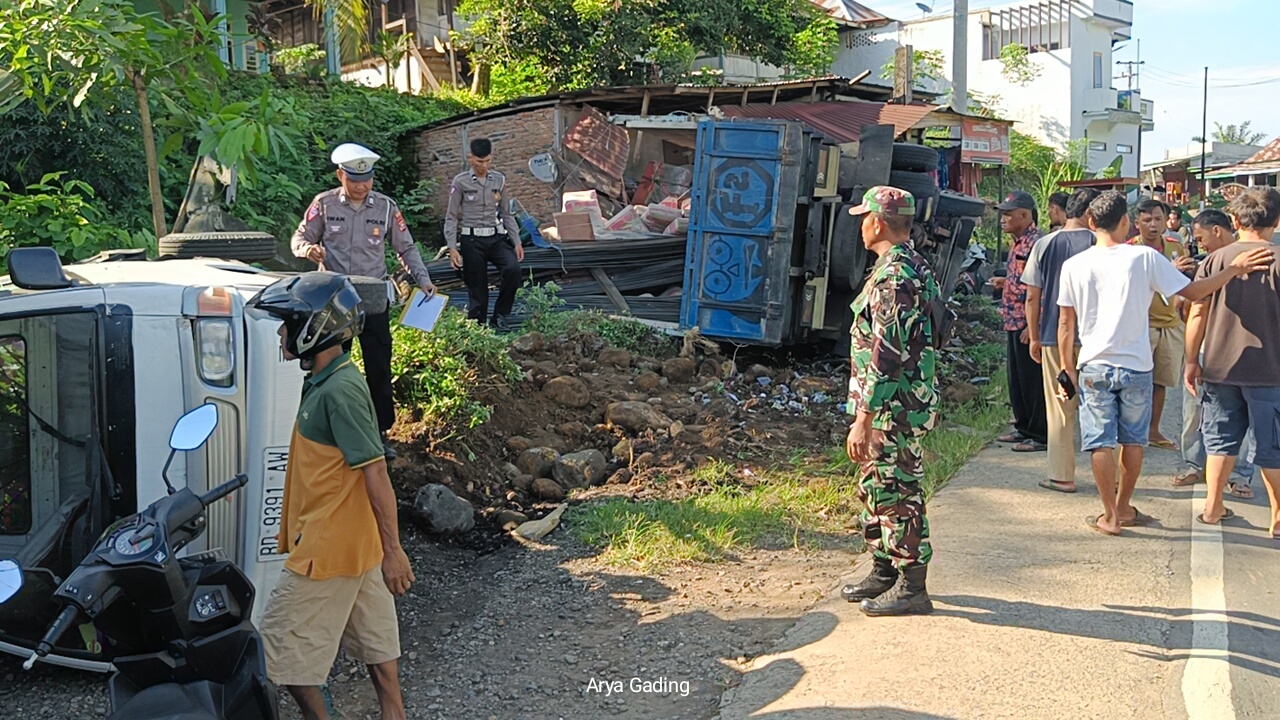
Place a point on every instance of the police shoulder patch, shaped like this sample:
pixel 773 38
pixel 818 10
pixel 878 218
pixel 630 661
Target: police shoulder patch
pixel 313 212
pixel 400 223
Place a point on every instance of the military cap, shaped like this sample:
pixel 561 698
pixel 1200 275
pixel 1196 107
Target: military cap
pixel 886 200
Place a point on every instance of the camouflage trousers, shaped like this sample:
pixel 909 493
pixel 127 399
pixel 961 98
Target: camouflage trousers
pixel 894 523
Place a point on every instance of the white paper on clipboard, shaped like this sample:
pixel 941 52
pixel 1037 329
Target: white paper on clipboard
pixel 422 312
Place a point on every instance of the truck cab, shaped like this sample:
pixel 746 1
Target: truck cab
pixel 97 360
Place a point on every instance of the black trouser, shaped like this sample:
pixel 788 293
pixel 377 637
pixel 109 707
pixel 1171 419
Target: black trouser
pixel 1026 391
pixel 477 253
pixel 375 347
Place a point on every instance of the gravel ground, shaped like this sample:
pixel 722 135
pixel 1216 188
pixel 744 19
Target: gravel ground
pixel 507 632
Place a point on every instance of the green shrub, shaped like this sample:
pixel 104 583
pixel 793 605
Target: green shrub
pixel 543 307
pixel 441 375
pixel 58 214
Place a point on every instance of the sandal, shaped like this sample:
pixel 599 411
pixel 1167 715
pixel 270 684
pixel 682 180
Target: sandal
pixel 1225 516
pixel 1011 437
pixel 1163 444
pixel 1244 492
pixel 1092 521
pixel 1188 478
pixel 1139 519
pixel 1029 446
pixel 1058 485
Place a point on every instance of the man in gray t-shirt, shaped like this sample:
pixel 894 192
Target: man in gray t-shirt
pixel 1044 268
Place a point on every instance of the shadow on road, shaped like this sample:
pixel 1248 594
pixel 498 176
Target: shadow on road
pixel 781 676
pixel 1137 625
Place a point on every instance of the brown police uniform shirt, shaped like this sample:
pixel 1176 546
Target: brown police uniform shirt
pixel 476 202
pixel 354 238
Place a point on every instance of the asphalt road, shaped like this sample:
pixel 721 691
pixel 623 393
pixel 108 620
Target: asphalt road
pixel 1038 616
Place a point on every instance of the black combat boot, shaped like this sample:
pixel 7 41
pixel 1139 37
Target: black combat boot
pixel 908 597
pixel 882 577
pixel 499 323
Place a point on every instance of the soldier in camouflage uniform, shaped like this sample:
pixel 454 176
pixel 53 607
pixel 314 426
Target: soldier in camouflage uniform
pixel 893 394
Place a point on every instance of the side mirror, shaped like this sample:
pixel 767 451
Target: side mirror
pixel 193 429
pixel 10 579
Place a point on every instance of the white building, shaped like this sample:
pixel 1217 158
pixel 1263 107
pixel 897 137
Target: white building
pixel 1069 45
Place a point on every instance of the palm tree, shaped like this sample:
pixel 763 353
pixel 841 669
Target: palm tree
pixel 350 21
pixel 1237 135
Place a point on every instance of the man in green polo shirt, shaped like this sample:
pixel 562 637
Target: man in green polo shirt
pixel 339 524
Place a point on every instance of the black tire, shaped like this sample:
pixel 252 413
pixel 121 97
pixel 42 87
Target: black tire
pixel 915 158
pixel 954 204
pixel 918 184
pixel 373 293
pixel 244 246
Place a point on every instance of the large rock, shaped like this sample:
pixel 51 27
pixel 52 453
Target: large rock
pixel 537 461
pixel 519 444
pixel 622 451
pixel 548 489
pixel 961 393
pixel 510 519
pixel 442 511
pixel 580 469
pixel 615 357
pixel 755 372
pixel 710 368
pixel 636 417
pixel 568 392
pixel 538 529
pixel 648 381
pixel 529 343
pixel 679 369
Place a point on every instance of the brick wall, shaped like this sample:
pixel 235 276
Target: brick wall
pixel 442 154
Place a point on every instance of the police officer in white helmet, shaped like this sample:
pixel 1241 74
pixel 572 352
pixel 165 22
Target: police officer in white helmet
pixel 346 231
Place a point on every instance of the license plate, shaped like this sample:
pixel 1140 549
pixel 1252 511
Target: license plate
pixel 276 459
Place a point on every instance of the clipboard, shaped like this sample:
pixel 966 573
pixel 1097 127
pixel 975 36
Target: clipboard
pixel 421 312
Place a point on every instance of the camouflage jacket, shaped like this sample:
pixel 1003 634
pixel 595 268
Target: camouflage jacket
pixel 894 365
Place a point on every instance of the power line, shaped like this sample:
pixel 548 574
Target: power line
pixel 1178 80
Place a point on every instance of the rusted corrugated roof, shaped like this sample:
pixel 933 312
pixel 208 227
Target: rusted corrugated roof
pixel 599 142
pixel 1267 154
pixel 853 13
pixel 839 121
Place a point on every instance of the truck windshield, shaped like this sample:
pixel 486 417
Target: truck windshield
pixel 47 405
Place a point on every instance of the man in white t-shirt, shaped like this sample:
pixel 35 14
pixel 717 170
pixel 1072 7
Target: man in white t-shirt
pixel 1107 291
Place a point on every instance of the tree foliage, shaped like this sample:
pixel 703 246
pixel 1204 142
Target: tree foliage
pixel 927 67
pixel 1241 134
pixel 581 43
pixel 1039 169
pixel 1016 65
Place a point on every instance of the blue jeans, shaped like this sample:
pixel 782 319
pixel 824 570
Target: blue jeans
pixel 1115 407
pixel 1231 411
pixel 1193 453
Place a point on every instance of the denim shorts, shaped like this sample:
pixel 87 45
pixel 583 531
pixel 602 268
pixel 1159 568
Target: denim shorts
pixel 1115 406
pixel 1230 410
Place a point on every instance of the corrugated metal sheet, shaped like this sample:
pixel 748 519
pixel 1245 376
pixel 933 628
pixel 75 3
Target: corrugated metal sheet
pixel 839 121
pixel 852 12
pixel 599 142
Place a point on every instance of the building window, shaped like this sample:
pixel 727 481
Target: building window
pixel 15 439
pixel 1121 148
pixel 1097 70
pixel 1096 146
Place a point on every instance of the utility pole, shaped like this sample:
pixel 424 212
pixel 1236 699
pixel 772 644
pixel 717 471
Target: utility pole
pixel 1204 132
pixel 960 57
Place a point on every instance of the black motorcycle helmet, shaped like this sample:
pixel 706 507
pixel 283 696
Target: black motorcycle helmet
pixel 320 310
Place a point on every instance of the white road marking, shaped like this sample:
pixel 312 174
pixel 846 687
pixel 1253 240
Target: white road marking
pixel 1206 678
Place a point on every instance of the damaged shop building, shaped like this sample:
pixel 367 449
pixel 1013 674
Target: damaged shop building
pixel 716 207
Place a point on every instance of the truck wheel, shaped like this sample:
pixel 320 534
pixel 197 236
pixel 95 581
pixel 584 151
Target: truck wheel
pixel 245 246
pixel 915 158
pixel 848 254
pixel 954 204
pixel 373 293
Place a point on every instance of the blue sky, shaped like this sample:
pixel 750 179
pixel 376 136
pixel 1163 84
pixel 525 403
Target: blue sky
pixel 1179 38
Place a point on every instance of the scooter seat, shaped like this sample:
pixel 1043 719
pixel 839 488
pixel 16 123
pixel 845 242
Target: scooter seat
pixel 193 701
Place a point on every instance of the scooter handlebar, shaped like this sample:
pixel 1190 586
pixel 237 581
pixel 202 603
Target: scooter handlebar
pixel 224 489
pixel 56 630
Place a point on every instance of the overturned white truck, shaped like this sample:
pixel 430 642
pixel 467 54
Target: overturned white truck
pixel 97 361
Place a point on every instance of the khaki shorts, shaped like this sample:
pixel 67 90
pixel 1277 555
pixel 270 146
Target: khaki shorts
pixel 306 620
pixel 1168 346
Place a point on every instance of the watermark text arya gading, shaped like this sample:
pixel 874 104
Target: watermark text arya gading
pixel 660 686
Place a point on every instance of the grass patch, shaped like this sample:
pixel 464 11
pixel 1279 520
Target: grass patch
pixel 782 507
pixel 546 314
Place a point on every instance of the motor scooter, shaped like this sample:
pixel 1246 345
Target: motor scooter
pixel 972 273
pixel 175 628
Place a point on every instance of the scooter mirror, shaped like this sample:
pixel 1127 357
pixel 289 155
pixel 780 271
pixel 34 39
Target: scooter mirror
pixel 10 579
pixel 193 429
